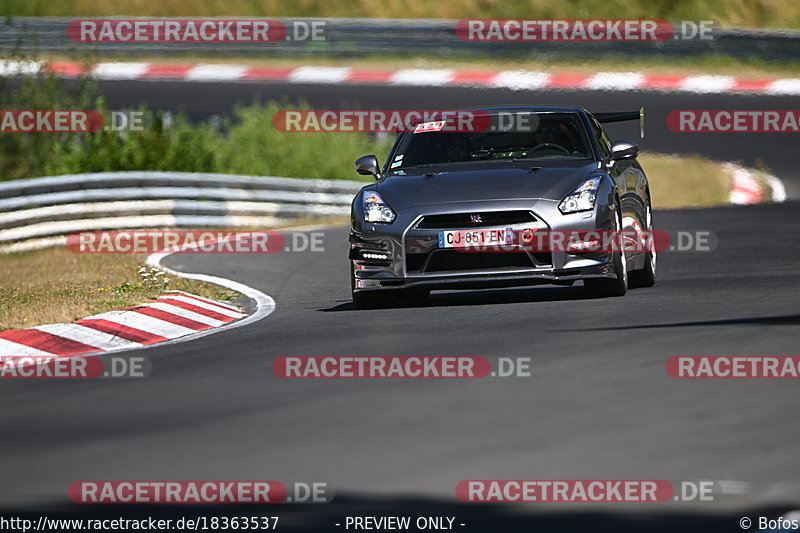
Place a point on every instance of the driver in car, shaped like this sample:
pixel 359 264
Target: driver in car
pixel 553 135
pixel 457 148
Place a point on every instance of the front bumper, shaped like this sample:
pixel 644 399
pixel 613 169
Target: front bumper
pixel 403 255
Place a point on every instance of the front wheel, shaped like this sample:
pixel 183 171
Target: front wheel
pixel 389 298
pixel 369 300
pixel 603 287
pixel 364 299
pixel 376 299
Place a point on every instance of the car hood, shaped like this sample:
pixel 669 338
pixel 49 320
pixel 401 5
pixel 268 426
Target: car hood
pixel 552 183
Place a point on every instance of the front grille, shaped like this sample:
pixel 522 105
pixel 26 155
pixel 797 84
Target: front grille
pixel 444 260
pixel 415 262
pixel 450 260
pixel 464 220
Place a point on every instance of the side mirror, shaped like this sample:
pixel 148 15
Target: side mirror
pixel 624 150
pixel 368 165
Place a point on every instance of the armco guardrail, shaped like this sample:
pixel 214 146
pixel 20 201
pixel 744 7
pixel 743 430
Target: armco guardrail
pixel 38 212
pixel 354 37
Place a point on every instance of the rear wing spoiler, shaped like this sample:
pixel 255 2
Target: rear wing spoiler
pixel 622 116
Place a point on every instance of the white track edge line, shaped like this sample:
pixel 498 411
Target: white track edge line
pixel 265 305
pixel 777 187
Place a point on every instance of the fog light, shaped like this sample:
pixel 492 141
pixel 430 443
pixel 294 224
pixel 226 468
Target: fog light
pixel 378 257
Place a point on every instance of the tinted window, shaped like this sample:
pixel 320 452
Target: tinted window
pixel 506 136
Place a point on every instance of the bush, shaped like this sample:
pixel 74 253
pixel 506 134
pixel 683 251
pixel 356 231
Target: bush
pixel 245 143
pixel 30 154
pixel 179 147
pixel 253 146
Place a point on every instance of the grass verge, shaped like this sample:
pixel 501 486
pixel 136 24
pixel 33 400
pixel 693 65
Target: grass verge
pixel 57 285
pixel 685 181
pixel 747 13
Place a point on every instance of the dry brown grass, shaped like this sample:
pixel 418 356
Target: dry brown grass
pixel 57 285
pixel 692 181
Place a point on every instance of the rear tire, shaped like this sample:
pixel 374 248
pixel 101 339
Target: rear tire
pixel 646 277
pixel 605 287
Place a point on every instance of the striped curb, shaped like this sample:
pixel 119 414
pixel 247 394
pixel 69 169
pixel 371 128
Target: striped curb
pixel 507 79
pixel 175 314
pixel 746 186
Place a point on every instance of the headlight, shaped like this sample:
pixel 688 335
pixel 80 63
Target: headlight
pixel 582 198
pixel 376 210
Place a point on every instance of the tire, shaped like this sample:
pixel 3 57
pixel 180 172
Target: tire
pixel 645 277
pixel 370 300
pixel 416 297
pixel 367 299
pixel 605 287
pixel 379 299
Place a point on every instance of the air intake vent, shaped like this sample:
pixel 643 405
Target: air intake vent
pixel 475 220
pixel 449 260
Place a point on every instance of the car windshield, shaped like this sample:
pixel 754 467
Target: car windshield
pixel 501 136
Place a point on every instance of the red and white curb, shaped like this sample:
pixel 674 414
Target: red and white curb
pixel 264 304
pixel 746 188
pixel 325 75
pixel 173 315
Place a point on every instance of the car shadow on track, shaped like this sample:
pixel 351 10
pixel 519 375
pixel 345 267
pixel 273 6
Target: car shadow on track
pixel 487 297
pixel 780 320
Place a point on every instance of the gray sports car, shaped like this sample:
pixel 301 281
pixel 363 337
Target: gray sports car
pixel 457 207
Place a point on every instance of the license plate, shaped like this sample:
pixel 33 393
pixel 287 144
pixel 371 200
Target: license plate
pixel 465 238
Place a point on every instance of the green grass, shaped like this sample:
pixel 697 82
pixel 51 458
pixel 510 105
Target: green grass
pixel 745 13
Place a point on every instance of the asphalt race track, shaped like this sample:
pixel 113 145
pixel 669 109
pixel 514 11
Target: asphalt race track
pixel 599 404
